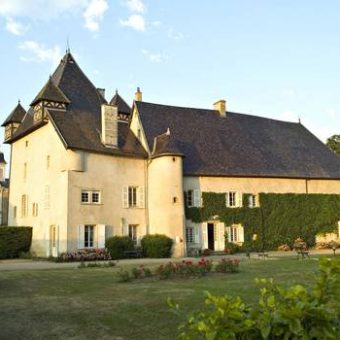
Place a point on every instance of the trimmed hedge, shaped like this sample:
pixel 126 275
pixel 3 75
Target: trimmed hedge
pixel 14 240
pixel 117 245
pixel 280 219
pixel 157 246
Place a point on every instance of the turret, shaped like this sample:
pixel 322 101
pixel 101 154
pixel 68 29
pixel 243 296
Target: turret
pixel 165 191
pixel 2 167
pixel 49 97
pixel 13 121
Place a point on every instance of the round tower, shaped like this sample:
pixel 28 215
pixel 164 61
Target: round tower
pixel 165 192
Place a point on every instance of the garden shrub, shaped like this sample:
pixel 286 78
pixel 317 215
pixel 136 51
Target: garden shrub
pixel 281 313
pixel 118 245
pixel 14 240
pixel 227 266
pixel 157 246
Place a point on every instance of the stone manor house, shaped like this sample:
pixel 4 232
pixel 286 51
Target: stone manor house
pixel 83 169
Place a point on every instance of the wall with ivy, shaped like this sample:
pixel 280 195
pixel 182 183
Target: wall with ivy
pixel 279 219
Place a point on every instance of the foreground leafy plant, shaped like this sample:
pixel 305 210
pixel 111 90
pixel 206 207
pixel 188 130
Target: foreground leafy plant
pixel 282 313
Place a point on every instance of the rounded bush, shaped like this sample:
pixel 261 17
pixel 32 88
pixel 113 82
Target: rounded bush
pixel 14 240
pixel 157 246
pixel 117 245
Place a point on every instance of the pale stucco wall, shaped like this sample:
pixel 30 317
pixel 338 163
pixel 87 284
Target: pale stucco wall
pixel 108 175
pixel 33 150
pixel 258 185
pixel 166 216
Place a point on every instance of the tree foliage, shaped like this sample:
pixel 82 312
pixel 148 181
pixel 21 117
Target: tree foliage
pixel 333 143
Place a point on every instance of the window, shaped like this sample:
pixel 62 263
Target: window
pixel 26 143
pixel 139 134
pixel 48 161
pixel 189 234
pixel 90 197
pixel 190 198
pixel 15 211
pixel 53 236
pixel 88 236
pixel 132 197
pixel 252 201
pixel 23 205
pixel 133 233
pixel 231 199
pixel 35 209
pixel 235 233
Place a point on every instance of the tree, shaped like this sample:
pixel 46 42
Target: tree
pixel 333 143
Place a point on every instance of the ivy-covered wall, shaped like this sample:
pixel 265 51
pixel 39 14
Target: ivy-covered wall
pixel 279 219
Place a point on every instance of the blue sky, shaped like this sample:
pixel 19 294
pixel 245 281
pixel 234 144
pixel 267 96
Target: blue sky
pixel 279 59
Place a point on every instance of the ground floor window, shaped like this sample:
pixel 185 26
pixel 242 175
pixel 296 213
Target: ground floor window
pixel 235 233
pixel 88 236
pixel 133 232
pixel 189 233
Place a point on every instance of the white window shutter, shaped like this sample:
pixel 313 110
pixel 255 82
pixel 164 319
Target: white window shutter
pixel 197 198
pixel 205 235
pixel 240 234
pixel 81 236
pixel 239 202
pixel 221 231
pixel 125 197
pixel 101 235
pixel 196 234
pixel 228 231
pixel 227 199
pixel 141 197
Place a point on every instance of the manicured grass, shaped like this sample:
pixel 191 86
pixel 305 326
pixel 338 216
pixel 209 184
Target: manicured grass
pixel 90 303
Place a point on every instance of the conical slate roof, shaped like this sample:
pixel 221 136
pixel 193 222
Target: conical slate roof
pixel 16 116
pixel 51 92
pixel 118 101
pixel 165 144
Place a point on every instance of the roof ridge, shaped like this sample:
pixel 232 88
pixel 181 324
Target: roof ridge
pixel 212 110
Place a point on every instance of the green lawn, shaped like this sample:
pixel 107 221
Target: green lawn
pixel 90 303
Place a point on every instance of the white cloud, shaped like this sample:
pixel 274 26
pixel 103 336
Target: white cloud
pixel 136 6
pixel 172 34
pixel 15 27
pixel 92 10
pixel 40 53
pixel 135 21
pixel 94 14
pixel 155 57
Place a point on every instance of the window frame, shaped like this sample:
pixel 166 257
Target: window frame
pixel 190 198
pixel 190 235
pixel 89 235
pixel 132 197
pixel 231 199
pixel 133 232
pixel 253 199
pixel 90 197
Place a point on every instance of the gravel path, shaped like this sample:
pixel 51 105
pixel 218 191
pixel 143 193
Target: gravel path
pixel 20 264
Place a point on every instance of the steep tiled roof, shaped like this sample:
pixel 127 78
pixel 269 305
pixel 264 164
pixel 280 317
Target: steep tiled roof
pixel 118 101
pixel 239 144
pixel 50 92
pixel 15 116
pixel 80 125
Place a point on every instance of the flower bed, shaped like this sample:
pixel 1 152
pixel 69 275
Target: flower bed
pixel 184 269
pixel 85 255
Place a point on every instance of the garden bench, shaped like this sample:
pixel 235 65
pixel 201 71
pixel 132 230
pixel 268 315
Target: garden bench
pixel 136 253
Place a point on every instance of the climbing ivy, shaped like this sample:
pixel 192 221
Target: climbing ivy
pixel 280 218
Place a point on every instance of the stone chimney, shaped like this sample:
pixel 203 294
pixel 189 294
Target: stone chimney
pixel 101 91
pixel 110 126
pixel 138 95
pixel 220 106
